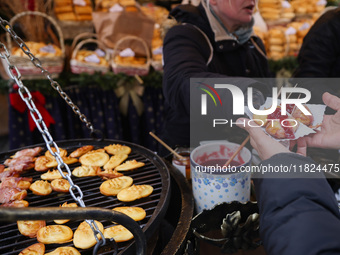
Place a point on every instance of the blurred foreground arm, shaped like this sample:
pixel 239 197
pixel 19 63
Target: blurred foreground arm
pixel 298 211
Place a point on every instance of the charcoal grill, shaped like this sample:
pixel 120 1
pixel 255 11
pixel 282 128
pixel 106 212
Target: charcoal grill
pixel 154 173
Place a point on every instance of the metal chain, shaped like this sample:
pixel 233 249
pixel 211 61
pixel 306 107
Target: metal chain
pixel 36 116
pixel 7 27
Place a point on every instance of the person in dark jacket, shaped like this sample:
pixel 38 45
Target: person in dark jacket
pixel 298 214
pixel 213 40
pixel 319 56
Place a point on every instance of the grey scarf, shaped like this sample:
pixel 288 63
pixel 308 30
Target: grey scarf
pixel 242 34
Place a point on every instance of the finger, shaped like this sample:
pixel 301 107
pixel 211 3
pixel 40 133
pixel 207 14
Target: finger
pixel 255 131
pixel 331 101
pixel 292 144
pixel 244 124
pixel 301 146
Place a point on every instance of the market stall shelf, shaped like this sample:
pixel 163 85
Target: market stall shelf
pixel 52 58
pixel 102 108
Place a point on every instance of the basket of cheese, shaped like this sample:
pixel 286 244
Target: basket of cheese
pixel 157 49
pixel 50 55
pixel 159 15
pixel 73 17
pixel 125 60
pixel 106 5
pixel 90 60
pixel 283 41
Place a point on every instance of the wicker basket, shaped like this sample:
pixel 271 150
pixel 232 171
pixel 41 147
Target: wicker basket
pixel 54 65
pixel 82 36
pixel 82 67
pixel 140 70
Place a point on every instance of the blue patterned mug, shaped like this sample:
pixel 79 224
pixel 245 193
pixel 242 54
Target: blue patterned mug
pixel 213 183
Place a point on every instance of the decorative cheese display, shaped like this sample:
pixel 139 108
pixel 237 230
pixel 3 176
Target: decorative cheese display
pixel 73 10
pixel 92 57
pixel 39 49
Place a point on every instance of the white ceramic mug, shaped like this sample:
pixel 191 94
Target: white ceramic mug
pixel 214 185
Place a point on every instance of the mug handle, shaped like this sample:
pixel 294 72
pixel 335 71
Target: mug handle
pixel 216 242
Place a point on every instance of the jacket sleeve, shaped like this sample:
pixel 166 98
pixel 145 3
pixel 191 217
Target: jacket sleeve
pixel 319 50
pixel 186 52
pixel 319 56
pixel 297 215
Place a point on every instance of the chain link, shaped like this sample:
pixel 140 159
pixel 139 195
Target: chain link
pixel 37 118
pixel 7 27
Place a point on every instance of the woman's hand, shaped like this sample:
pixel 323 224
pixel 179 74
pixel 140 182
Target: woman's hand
pixel 264 144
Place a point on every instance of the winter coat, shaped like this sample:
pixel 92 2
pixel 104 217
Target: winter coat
pixel 191 51
pixel 319 56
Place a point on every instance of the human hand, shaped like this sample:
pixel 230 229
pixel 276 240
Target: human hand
pixel 264 144
pixel 329 135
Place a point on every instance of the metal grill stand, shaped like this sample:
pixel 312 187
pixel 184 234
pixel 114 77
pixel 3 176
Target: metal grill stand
pixel 26 96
